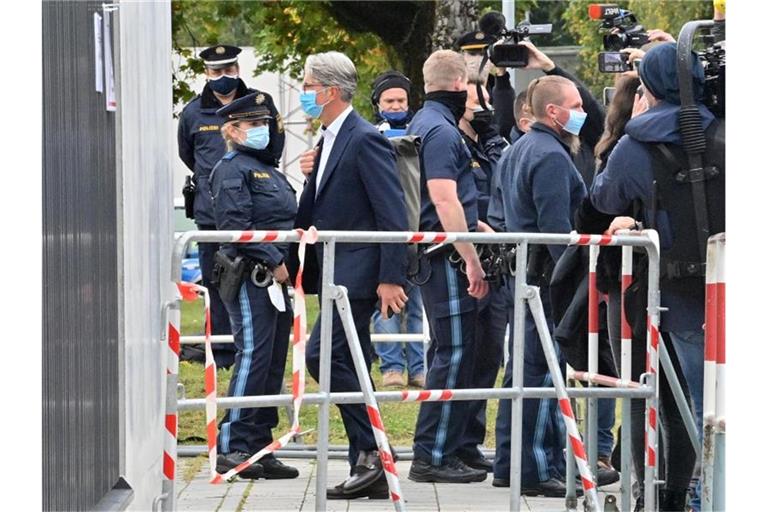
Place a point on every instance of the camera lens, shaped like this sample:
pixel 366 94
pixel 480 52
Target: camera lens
pixel 615 42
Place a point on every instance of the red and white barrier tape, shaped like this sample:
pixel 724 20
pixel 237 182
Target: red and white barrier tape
pixel 427 395
pixel 385 454
pixel 651 367
pixel 579 453
pixel 171 415
pixel 603 380
pixel 593 317
pixel 578 239
pixel 626 330
pixel 435 238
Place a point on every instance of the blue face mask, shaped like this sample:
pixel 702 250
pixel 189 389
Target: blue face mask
pixel 224 84
pixel 394 117
pixel 257 137
pixel 309 104
pixel 575 121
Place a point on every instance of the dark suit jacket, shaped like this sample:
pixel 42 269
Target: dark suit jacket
pixel 360 191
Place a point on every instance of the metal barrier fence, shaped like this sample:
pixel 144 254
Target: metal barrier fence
pixel 713 466
pixel 523 294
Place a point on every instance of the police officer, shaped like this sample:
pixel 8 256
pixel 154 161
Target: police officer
pixel 473 45
pixel 201 146
pixel 542 189
pixel 390 98
pixel 249 193
pixel 449 203
pixel 485 147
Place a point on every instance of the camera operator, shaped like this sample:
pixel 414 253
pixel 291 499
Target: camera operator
pixel 593 127
pixel 485 146
pixel 643 167
pixel 473 46
pixel 541 191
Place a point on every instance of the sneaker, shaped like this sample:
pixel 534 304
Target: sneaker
pixel 417 381
pixel 227 461
pixel 606 474
pixel 276 470
pixel 452 471
pixel 393 378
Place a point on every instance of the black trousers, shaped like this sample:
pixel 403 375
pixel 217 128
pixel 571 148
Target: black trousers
pixel 343 376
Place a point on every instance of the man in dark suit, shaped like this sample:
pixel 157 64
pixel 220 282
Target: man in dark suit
pixel 354 186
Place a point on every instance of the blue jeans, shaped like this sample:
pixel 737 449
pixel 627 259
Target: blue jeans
pixel 689 346
pixel 606 416
pixel 391 354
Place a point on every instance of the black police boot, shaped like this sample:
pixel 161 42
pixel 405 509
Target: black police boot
pixel 276 470
pixel 478 461
pixel 227 461
pixel 378 490
pixel 673 500
pixel 552 488
pixel 606 473
pixel 452 471
pixel 365 473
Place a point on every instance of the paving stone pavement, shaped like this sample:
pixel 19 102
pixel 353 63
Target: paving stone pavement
pixel 299 494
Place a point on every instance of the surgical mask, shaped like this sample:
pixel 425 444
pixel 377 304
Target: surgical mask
pixel 575 121
pixel 224 84
pixel 257 137
pixel 482 120
pixel 395 117
pixel 308 100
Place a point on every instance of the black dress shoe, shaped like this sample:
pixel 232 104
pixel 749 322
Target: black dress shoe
pixel 227 461
pixel 478 462
pixel 552 488
pixel 452 471
pixel 378 490
pixel 276 470
pixel 365 472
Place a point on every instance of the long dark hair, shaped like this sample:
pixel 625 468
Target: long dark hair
pixel 619 113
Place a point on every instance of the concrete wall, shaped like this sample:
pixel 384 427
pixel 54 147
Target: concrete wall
pixel 145 149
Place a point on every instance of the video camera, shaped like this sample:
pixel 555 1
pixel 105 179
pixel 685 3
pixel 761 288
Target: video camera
pixel 509 53
pixel 713 61
pixel 625 32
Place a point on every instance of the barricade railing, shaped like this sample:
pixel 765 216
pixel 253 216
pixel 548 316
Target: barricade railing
pixel 713 464
pixel 334 296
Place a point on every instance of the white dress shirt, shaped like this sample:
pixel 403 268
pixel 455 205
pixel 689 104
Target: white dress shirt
pixel 329 137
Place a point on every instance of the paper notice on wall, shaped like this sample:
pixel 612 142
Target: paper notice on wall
pixel 109 71
pixel 98 56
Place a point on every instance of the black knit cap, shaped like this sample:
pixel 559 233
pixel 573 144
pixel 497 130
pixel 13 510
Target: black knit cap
pixel 389 80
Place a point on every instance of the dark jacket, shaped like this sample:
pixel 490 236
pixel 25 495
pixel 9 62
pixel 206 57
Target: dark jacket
pixel 201 145
pixel 485 155
pixel 543 188
pixel 503 100
pixel 249 194
pixel 360 191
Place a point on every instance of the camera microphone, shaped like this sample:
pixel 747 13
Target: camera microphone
pixel 493 23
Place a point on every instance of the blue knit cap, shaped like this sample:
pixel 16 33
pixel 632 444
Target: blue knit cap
pixel 658 71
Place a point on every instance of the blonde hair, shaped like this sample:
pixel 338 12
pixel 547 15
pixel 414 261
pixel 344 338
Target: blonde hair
pixel 544 91
pixel 228 130
pixel 441 70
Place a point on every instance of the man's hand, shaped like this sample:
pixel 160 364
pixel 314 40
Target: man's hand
pixel 482 227
pixel 536 58
pixel 478 286
pixel 640 105
pixel 391 296
pixel 280 273
pixel 307 161
pixel 660 35
pixel 620 223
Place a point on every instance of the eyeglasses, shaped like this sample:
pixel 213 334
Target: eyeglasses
pixel 309 86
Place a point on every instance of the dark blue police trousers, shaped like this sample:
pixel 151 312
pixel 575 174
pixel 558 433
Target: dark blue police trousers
pixel 452 316
pixel 343 376
pixel 224 353
pixel 543 439
pixel 261 336
pixel 488 359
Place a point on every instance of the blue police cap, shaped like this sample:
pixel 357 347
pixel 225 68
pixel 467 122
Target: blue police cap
pixel 252 107
pixel 473 41
pixel 220 56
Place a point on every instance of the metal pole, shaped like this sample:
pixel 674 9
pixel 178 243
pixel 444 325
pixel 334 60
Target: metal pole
pixel 508 10
pixel 571 500
pixel 592 348
pixel 518 352
pixel 587 476
pixel 652 403
pixel 425 335
pixel 377 425
pixel 626 374
pixel 326 335
pixel 680 401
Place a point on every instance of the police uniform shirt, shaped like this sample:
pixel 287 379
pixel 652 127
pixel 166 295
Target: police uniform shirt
pixel 444 155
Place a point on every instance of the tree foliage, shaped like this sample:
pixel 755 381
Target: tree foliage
pixel 667 15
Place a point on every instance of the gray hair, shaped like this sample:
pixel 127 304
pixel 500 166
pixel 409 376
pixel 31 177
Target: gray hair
pixel 333 69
